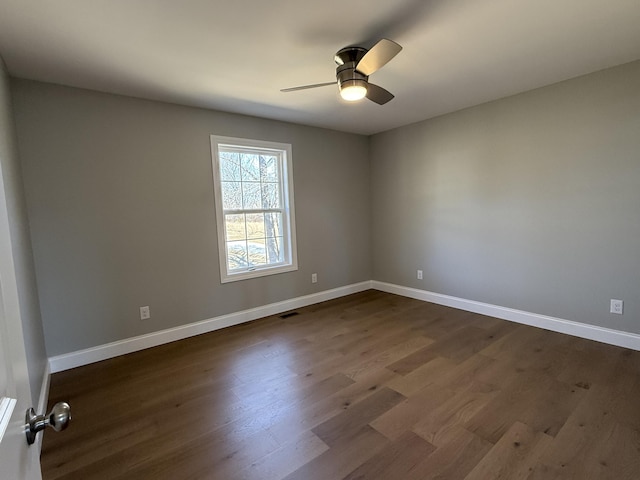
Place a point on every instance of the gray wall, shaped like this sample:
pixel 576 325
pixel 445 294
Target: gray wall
pixel 28 306
pixel 530 202
pixel 120 200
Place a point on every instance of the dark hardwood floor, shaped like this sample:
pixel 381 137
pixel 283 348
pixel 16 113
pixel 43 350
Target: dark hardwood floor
pixel 369 386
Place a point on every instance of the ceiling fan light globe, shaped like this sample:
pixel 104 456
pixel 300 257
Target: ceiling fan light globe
pixel 353 93
pixel 352 89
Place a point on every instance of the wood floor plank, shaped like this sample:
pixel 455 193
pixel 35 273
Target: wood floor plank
pixel 533 398
pixel 85 450
pixel 259 414
pixel 285 460
pixel 529 349
pixel 358 416
pixel 397 460
pixel 614 455
pixel 413 361
pixel 598 440
pixel 514 456
pixel 310 415
pixel 444 422
pixel 363 350
pixel 461 375
pixel 402 418
pixel 588 365
pixel 301 389
pixel 344 457
pixel 397 350
pixel 452 461
pixel 421 377
pixel 442 326
pixel 225 455
pixel 465 342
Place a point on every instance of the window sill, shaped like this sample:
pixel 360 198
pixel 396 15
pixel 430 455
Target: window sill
pixel 259 272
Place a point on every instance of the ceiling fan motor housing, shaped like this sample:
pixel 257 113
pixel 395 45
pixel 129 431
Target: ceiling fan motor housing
pixel 346 72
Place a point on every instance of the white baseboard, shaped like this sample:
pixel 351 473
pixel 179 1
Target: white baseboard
pixel 583 330
pixel 129 345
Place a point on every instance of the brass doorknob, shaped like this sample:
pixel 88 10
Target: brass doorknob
pixel 58 419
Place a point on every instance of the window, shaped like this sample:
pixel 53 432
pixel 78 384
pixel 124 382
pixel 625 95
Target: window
pixel 253 186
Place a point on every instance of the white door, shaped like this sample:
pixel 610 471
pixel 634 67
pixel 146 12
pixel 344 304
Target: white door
pixel 18 461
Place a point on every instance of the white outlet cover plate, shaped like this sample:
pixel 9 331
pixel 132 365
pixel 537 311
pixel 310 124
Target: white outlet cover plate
pixel 616 306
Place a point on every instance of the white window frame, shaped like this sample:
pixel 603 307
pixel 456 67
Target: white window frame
pixel 283 150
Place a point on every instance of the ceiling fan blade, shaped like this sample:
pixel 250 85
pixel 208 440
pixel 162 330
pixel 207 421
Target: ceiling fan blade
pixel 378 56
pixel 378 94
pixel 306 87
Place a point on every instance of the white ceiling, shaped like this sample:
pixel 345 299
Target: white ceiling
pixel 236 55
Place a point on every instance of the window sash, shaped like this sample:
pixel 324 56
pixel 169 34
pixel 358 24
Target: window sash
pixel 286 240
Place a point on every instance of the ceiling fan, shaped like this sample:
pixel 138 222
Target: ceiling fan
pixel 355 64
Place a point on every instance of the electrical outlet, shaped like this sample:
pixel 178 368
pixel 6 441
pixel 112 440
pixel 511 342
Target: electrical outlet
pixel 314 278
pixel 419 274
pixel 616 306
pixel 145 313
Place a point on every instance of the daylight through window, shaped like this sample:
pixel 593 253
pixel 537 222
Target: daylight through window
pixel 254 207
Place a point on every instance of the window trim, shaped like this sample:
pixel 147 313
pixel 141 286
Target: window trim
pixel 289 226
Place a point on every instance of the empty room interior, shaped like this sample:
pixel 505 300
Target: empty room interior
pixel 320 240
